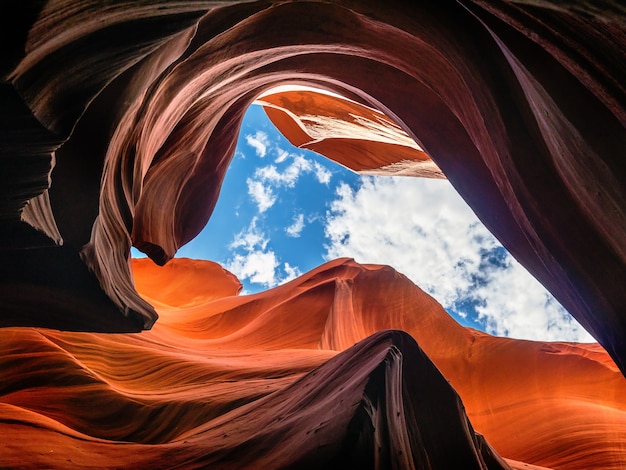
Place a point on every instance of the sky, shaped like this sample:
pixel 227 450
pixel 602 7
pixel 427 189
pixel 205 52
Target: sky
pixel 283 211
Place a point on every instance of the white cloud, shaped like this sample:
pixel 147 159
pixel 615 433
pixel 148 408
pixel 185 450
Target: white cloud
pixel 296 227
pixel 322 173
pixel 261 194
pixel 254 261
pixel 291 272
pixel 258 266
pixel 259 142
pixel 268 178
pixel 524 309
pixel 282 155
pixel 293 171
pixel 289 176
pixel 425 230
pixel 250 238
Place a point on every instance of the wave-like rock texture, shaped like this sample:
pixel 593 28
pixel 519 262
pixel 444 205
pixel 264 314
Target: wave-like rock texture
pixel 331 370
pixel 356 136
pixel 233 382
pixel 119 121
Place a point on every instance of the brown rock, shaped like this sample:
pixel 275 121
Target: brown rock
pixel 117 125
pixel 360 138
pixel 232 381
pixel 521 106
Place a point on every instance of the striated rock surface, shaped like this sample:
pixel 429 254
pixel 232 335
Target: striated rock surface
pixel 119 122
pixel 232 382
pixel 360 138
pixel 323 371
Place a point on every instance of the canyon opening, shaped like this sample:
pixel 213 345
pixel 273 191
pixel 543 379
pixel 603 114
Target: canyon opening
pixel 121 122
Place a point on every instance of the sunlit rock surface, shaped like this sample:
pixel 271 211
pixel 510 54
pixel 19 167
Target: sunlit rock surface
pixel 358 137
pixel 118 121
pixel 299 376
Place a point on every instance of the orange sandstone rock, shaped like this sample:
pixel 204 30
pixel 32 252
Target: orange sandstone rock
pixel 359 137
pixel 306 373
pixel 137 108
pixel 117 125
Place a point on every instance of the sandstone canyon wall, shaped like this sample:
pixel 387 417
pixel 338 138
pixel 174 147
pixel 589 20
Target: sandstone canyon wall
pixel 322 372
pixel 118 122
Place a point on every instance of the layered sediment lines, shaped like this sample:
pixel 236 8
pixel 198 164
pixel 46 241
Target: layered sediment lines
pixel 333 368
pixel 117 126
pixel 119 122
pixel 356 136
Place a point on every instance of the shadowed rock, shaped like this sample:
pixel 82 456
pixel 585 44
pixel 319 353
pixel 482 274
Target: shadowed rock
pixel 311 373
pixel 117 125
pixel 521 106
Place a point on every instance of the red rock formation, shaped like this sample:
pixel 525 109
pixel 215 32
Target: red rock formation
pixel 358 137
pixel 224 380
pixel 117 125
pixel 147 99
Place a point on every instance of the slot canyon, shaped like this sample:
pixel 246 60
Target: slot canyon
pixel 119 121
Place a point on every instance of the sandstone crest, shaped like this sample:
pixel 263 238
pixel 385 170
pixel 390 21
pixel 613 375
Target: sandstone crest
pixel 118 123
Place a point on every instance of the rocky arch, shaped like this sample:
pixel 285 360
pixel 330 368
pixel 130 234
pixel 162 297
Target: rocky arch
pixel 150 96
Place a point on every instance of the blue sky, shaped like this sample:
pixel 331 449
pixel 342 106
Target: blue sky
pixel 283 211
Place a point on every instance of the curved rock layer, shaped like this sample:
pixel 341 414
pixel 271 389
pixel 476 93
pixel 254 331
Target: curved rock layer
pixel 322 372
pixel 118 122
pixel 137 105
pixel 360 138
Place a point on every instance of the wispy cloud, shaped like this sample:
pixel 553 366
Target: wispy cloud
pixel 291 272
pixel 259 142
pixel 261 194
pixel 250 238
pixel 257 266
pixel 425 230
pixel 296 227
pixel 322 173
pixel 267 180
pixel 288 176
pixel 282 155
pixel 253 260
